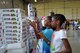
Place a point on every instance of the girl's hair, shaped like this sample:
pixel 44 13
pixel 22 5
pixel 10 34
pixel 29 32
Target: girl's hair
pixel 60 17
pixel 52 14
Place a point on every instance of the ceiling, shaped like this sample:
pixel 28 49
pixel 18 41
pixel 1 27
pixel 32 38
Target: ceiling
pixel 49 0
pixel 40 1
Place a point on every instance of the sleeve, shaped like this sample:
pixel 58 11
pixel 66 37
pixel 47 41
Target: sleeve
pixel 48 33
pixel 63 35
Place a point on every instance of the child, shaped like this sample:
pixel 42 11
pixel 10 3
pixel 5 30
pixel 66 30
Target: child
pixel 59 42
pixel 45 34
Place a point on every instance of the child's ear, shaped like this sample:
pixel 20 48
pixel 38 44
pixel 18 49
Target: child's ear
pixel 58 22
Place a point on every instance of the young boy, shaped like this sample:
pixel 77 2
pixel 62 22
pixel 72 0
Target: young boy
pixel 44 34
pixel 59 42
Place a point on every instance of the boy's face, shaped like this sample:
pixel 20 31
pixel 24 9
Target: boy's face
pixel 54 23
pixel 46 22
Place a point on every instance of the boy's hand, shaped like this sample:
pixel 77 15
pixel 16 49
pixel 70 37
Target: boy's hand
pixel 33 24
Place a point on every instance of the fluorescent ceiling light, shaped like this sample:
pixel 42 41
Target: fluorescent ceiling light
pixel 35 0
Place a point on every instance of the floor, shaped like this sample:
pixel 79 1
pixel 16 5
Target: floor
pixel 74 39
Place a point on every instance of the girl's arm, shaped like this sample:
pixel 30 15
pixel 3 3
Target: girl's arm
pixel 67 47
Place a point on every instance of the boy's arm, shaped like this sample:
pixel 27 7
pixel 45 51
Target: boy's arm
pixel 33 24
pixel 39 34
pixel 44 38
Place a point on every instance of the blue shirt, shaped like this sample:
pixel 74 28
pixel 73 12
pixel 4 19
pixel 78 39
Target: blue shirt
pixel 48 34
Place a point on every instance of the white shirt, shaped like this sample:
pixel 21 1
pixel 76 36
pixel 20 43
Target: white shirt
pixel 56 42
pixel 75 22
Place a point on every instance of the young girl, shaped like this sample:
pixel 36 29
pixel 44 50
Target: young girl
pixel 59 42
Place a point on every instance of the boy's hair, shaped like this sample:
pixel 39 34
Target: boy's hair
pixel 49 18
pixel 60 17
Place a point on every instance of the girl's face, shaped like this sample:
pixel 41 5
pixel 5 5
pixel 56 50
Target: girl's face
pixel 54 23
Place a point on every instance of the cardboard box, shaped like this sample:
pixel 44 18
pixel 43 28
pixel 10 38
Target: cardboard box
pixel 15 45
pixel 17 50
pixel 2 49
